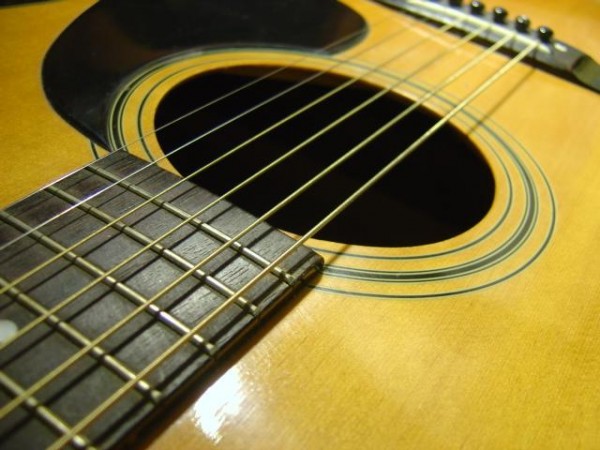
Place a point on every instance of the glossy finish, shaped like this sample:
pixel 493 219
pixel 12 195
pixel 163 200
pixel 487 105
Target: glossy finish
pixel 510 366
pixel 149 332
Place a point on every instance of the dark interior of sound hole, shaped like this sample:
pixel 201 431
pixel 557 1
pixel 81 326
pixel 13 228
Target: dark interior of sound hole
pixel 438 192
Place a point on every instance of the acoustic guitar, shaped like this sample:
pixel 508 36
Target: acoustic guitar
pixel 300 224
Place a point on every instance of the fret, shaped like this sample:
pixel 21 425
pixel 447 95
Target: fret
pixel 72 397
pixel 188 196
pixel 103 323
pixel 212 231
pixel 154 246
pixel 111 281
pixel 43 413
pixel 75 335
pixel 101 378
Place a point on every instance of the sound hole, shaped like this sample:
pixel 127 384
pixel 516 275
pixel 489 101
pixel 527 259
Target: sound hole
pixel 438 192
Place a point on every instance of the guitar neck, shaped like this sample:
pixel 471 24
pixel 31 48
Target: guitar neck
pixel 84 295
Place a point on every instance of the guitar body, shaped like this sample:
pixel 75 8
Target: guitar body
pixel 487 339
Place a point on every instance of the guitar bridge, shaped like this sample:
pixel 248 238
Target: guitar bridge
pixel 552 55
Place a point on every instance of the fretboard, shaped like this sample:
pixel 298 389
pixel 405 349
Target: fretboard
pixel 116 298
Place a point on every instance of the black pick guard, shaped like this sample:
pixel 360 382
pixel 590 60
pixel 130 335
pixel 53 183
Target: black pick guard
pixel 97 53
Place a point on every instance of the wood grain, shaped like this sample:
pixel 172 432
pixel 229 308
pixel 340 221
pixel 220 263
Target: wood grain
pixel 513 365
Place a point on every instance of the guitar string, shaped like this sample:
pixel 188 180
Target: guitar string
pixel 315 75
pixel 117 395
pixel 60 254
pixel 51 375
pixel 67 301
pixel 41 266
pixel 473 34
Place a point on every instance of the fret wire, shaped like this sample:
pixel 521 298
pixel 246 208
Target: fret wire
pixel 156 247
pixel 247 252
pixel 44 413
pixel 192 217
pixel 478 91
pixel 96 351
pixel 74 334
pixel 301 83
pixel 222 307
pixel 121 288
